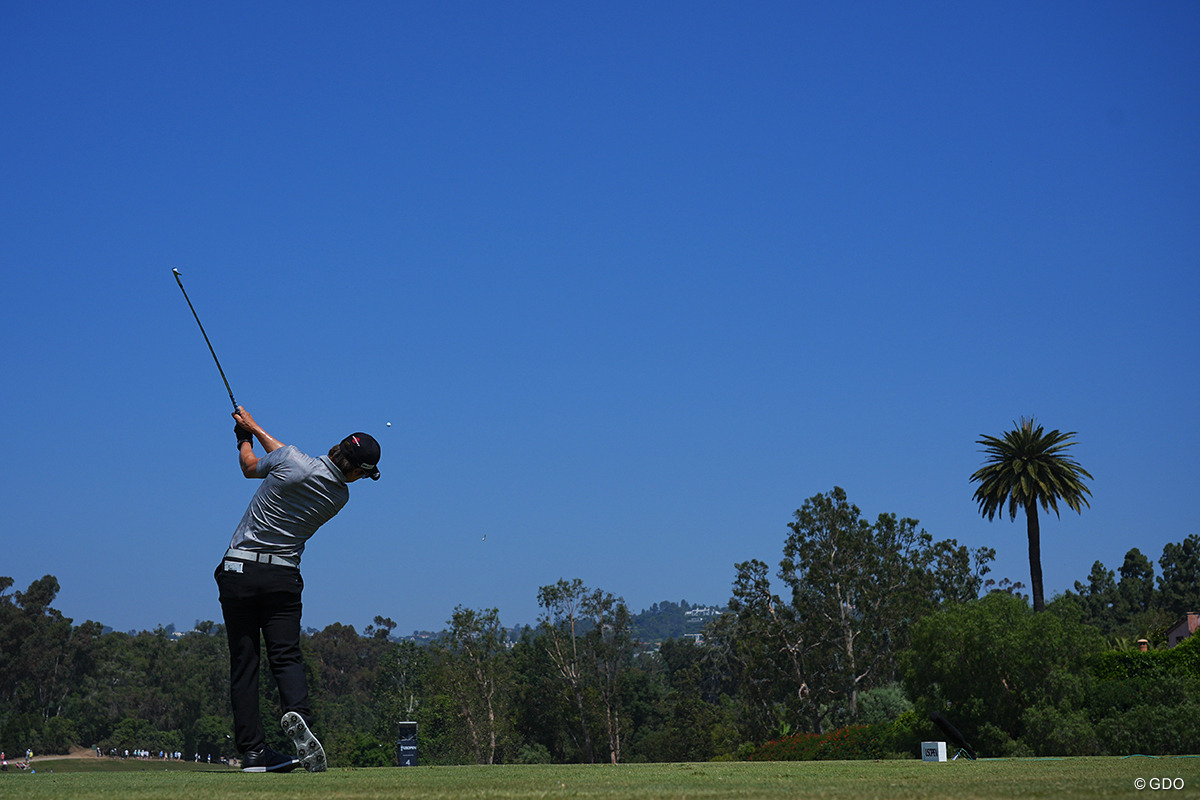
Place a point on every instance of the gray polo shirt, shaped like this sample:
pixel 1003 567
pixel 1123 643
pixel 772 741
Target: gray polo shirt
pixel 298 495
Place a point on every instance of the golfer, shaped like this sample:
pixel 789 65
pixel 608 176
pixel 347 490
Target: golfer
pixel 260 584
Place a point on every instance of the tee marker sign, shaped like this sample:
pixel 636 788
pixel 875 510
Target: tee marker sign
pixel 933 751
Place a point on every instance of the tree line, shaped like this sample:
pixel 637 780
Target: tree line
pixel 864 625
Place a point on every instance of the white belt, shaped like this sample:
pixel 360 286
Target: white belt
pixel 262 558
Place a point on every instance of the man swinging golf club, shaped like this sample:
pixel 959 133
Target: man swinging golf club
pixel 260 584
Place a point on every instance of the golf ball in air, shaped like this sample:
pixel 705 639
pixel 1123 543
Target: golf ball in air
pixel 389 424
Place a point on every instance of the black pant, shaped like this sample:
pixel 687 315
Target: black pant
pixel 262 598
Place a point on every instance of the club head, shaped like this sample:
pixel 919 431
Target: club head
pixel 176 271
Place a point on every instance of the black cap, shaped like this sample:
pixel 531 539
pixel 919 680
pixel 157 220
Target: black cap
pixel 362 451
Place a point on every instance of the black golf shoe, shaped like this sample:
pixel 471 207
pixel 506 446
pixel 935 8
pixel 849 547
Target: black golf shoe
pixel 312 755
pixel 264 759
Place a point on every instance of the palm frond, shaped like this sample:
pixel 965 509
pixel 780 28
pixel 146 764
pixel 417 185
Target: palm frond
pixel 1028 466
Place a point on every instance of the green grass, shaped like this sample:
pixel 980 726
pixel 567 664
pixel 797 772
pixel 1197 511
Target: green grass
pixel 826 780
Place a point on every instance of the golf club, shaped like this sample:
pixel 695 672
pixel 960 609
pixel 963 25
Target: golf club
pixel 953 735
pixel 206 341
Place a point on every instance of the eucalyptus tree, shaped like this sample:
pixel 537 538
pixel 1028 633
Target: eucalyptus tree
pixel 610 644
pixel 1025 468
pixel 859 586
pixel 476 644
pixel 856 589
pixel 563 626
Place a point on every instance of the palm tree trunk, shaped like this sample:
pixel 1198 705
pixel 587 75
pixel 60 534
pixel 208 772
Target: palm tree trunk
pixel 1035 556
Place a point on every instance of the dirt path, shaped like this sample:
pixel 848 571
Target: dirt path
pixel 76 752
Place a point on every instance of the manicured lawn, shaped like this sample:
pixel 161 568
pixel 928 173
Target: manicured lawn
pixel 827 780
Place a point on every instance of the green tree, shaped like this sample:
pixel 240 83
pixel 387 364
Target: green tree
pixel 678 717
pixel 400 686
pixel 561 623
pixel 1099 597
pixel 543 713
pixel 1179 584
pixel 661 621
pixel 842 574
pixel 43 659
pixel 211 736
pixel 610 645
pixel 1025 468
pixel 1135 589
pixel 763 643
pixel 958 573
pixel 361 749
pixel 475 671
pixel 382 629
pixel 342 668
pixel 984 663
pixel 856 589
pixel 138 734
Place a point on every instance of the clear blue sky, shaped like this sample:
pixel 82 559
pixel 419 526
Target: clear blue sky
pixel 630 280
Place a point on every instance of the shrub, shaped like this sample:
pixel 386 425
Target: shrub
pixel 1181 661
pixel 992 741
pixel 883 704
pixel 907 732
pixel 362 750
pixel 797 747
pixel 857 742
pixel 534 754
pixel 1051 732
pixel 132 733
pixel 1152 730
pixel 57 736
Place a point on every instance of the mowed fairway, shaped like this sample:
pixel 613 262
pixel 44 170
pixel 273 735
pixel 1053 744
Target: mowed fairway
pixel 1058 778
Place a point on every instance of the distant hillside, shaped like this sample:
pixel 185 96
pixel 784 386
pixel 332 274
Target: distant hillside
pixel 659 622
pixel 667 620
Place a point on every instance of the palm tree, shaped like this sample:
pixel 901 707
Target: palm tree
pixel 1027 468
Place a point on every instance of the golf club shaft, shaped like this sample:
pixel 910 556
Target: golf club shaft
pixel 205 335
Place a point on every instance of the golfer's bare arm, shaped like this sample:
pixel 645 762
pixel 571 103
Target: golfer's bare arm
pixel 246 456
